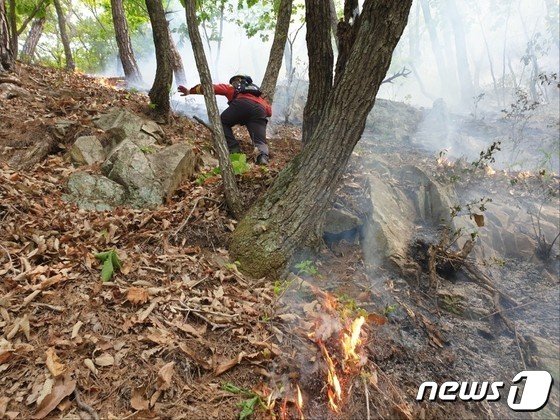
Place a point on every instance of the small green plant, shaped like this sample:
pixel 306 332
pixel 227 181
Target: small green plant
pixel 147 149
pixel 250 404
pixel 151 105
pixel 239 163
pixel 111 261
pixel 306 267
pixel 389 309
pixel 280 287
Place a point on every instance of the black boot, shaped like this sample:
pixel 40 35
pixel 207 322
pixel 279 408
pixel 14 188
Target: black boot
pixel 262 159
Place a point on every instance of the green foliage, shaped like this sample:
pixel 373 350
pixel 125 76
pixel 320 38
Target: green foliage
pixel 238 162
pixel 250 404
pixel 307 267
pixel 147 149
pixel 389 309
pixel 111 262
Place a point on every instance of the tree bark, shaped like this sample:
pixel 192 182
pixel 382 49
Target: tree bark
pixel 436 45
pixel 320 53
pixel 177 63
pixel 159 93
pixel 12 17
pixel 126 54
pixel 463 69
pixel 289 214
pixel 28 51
pixel 270 78
pixel 70 66
pixel 40 6
pixel 6 57
pixel 231 191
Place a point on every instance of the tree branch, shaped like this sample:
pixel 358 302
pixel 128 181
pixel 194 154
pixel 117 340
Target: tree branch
pixel 403 73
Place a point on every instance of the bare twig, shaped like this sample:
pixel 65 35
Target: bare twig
pixel 9 258
pixel 403 73
pixel 366 392
pixel 87 408
pixel 198 120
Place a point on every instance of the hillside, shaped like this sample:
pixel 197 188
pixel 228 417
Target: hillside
pixel 178 331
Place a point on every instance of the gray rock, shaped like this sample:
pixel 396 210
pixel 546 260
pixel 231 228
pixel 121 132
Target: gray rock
pixel 94 192
pixel 173 165
pixel 123 124
pixel 87 150
pixel 339 220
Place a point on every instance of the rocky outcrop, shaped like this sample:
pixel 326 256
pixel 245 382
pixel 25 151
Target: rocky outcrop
pixel 142 172
pixel 86 151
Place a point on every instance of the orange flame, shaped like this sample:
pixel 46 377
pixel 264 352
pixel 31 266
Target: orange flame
pixel 299 403
pixel 350 341
pixel 334 392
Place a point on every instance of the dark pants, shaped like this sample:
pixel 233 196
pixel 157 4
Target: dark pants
pixel 250 114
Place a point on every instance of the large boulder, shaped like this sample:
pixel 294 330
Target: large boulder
pixel 87 150
pixel 94 192
pixel 122 124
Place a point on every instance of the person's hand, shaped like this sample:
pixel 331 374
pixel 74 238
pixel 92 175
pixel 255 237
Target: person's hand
pixel 184 91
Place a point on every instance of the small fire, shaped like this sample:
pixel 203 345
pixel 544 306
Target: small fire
pixel 349 342
pixel 334 390
pixel 299 403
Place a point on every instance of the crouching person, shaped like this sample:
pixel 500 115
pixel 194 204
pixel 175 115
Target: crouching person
pixel 246 107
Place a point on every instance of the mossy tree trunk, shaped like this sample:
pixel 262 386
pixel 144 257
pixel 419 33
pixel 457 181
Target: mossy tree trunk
pixel 270 78
pixel 289 215
pixel 159 93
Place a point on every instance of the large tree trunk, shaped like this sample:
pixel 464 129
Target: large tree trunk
pixel 177 63
pixel 463 69
pixel 231 191
pixel 126 54
pixel 320 53
pixel 159 93
pixel 70 66
pixel 28 51
pixel 289 214
pixel 270 78
pixel 6 56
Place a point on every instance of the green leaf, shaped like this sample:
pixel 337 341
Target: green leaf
pixel 248 407
pixel 107 270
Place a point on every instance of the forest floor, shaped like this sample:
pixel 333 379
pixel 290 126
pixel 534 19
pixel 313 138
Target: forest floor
pixel 179 331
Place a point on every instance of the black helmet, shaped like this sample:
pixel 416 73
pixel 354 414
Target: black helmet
pixel 248 79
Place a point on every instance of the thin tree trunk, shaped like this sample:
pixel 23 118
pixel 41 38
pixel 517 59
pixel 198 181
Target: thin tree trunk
pixel 463 69
pixel 319 51
pixel 289 214
pixel 126 54
pixel 220 39
pixel 28 51
pixel 231 191
pixel 270 78
pixel 488 55
pixel 346 33
pixel 504 49
pixel 29 18
pixel 177 63
pixel 12 17
pixel 334 21
pixel 70 66
pixel 159 93
pixel 435 44
pixel 6 56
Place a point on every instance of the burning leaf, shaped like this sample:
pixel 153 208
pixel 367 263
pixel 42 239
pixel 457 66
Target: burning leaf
pixel 164 376
pixel 137 295
pixel 61 389
pixel 53 363
pixel 479 219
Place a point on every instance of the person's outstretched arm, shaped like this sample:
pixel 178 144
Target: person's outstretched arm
pixel 219 89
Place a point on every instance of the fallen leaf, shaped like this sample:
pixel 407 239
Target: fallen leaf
pixel 76 329
pixel 61 389
pixel 105 360
pixel 24 325
pixel 164 376
pixel 376 319
pixel 223 367
pixel 137 295
pixel 479 219
pixel 3 405
pixel 194 356
pixel 89 364
pixel 53 363
pixel 138 401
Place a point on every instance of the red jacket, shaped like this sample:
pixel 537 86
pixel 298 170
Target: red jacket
pixel 228 91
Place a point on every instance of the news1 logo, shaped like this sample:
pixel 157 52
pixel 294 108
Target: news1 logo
pixel 535 394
